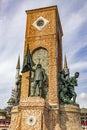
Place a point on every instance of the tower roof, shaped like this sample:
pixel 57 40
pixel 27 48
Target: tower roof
pixel 47 9
pixel 65 63
pixel 18 63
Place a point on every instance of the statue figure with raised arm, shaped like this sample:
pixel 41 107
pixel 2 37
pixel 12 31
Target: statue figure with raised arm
pixel 67 93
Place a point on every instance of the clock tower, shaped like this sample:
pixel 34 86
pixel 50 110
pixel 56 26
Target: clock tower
pixel 44 38
pixel 39 107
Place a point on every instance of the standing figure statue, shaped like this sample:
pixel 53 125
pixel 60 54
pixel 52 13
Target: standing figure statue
pixel 63 91
pixel 72 82
pixel 39 79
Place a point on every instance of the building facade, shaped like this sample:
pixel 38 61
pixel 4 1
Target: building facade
pixel 4 120
pixel 5 114
pixel 84 118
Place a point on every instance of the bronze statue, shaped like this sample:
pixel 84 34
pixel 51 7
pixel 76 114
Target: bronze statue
pixel 63 91
pixel 72 82
pixel 66 92
pixel 39 79
pixel 39 75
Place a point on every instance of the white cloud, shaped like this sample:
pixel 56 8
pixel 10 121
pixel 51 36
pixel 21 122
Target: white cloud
pixel 83 96
pixel 71 26
pixel 78 66
pixel 73 23
pixel 82 99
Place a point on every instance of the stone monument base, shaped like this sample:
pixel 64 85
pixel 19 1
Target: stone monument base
pixel 34 113
pixel 70 117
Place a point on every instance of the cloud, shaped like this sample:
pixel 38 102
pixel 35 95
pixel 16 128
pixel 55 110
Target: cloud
pixel 5 93
pixel 74 22
pixel 72 25
pixel 79 66
pixel 83 96
pixel 82 99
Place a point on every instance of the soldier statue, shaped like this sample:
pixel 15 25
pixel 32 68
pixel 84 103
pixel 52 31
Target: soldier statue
pixel 39 79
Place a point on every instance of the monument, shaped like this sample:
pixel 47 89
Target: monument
pixel 47 97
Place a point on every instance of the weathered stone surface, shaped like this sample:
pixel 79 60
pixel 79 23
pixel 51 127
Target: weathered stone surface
pixel 25 85
pixel 15 119
pixel 47 118
pixel 49 38
pixel 70 117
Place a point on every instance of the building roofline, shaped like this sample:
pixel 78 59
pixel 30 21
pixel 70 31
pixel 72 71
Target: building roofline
pixel 54 7
pixel 42 8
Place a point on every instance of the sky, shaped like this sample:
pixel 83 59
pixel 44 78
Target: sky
pixel 73 16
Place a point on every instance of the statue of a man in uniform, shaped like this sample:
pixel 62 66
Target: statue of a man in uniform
pixel 39 79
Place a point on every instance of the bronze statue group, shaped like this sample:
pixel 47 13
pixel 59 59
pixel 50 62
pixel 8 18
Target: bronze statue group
pixel 67 93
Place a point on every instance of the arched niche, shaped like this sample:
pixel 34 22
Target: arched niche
pixel 40 55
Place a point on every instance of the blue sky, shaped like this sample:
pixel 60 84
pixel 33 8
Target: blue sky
pixel 12 35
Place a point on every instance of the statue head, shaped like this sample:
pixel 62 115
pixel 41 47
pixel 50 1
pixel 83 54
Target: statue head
pixel 39 65
pixel 62 72
pixel 76 74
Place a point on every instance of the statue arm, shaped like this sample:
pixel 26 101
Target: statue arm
pixel 33 70
pixel 73 82
pixel 33 76
pixel 44 76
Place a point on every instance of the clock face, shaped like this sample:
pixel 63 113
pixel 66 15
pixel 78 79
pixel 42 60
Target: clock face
pixel 40 23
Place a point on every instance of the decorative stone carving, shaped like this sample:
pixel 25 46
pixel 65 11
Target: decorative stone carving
pixel 40 23
pixel 31 120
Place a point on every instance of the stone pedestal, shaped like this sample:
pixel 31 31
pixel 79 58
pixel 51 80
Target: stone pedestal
pixel 34 113
pixel 15 119
pixel 70 117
